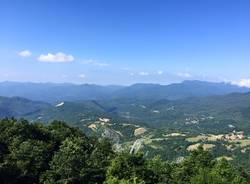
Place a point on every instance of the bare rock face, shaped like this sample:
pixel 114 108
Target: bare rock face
pixel 111 134
pixel 136 146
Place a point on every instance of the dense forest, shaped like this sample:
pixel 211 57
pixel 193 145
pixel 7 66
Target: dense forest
pixel 58 153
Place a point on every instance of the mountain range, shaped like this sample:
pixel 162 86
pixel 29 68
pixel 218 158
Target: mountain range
pixel 194 106
pixel 53 93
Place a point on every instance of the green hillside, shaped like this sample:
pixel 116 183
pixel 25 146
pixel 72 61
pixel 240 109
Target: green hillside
pixel 155 127
pixel 58 153
pixel 20 107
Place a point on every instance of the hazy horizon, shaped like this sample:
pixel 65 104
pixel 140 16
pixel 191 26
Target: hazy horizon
pixel 122 85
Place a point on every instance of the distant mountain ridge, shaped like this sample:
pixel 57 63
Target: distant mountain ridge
pixel 195 114
pixel 50 92
pixel 178 90
pixel 53 92
pixel 20 107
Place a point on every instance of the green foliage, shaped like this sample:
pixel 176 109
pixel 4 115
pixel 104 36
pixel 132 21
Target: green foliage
pixel 28 156
pixel 133 180
pixel 200 168
pixel 57 153
pixel 128 167
pixel 162 170
pixel 60 131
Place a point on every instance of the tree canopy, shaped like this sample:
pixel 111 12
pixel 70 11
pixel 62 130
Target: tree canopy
pixel 57 153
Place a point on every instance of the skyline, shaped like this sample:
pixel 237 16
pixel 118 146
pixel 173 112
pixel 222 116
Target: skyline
pixel 125 42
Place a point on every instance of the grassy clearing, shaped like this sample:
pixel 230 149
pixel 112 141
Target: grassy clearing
pixel 196 139
pixel 209 137
pixel 195 146
pixel 224 157
pixel 242 143
pixel 139 131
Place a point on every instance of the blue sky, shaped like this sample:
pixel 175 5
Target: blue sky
pixel 125 41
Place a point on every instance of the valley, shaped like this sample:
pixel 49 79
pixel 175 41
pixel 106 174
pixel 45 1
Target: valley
pixel 166 127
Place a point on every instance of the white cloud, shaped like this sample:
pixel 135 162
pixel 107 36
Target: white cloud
pixel 56 58
pixel 160 72
pixel 95 62
pixel 143 73
pixel 242 82
pixel 82 76
pixel 184 74
pixel 24 53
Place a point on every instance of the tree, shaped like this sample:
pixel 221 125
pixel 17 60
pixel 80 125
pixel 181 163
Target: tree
pixel 162 170
pixel 198 159
pixel 133 180
pixel 70 162
pixel 60 131
pixel 126 167
pixel 29 157
pixel 100 159
pixel 227 173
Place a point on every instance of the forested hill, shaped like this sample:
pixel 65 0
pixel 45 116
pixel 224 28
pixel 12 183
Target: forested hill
pixel 211 114
pixel 57 153
pixel 20 107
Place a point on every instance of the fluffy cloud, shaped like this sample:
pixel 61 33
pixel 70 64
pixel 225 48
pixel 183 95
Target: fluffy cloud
pixel 242 82
pixel 184 74
pixel 24 53
pixel 143 73
pixel 82 76
pixel 56 58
